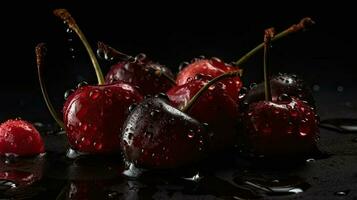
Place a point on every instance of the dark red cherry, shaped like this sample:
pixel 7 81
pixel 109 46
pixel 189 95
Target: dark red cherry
pixel 289 84
pixel 218 107
pixel 208 67
pixel 282 128
pixel 20 138
pixel 94 115
pixel 159 136
pixel 151 78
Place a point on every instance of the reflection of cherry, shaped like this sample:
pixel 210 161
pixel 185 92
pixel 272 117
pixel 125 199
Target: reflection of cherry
pixel 93 115
pixel 22 171
pixel 149 77
pixel 20 138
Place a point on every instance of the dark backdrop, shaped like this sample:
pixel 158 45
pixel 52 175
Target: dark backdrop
pixel 169 33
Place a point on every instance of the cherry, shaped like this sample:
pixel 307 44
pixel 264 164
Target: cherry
pixel 289 84
pixel 151 78
pixel 218 107
pixel 208 67
pixel 94 114
pixel 20 138
pixel 159 136
pixel 282 128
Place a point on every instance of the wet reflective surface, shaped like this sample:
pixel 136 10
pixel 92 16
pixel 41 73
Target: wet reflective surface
pixel 230 176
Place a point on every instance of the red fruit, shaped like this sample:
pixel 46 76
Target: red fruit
pixel 158 136
pixel 141 73
pixel 20 138
pixel 218 107
pixel 281 128
pixel 94 115
pixel 208 67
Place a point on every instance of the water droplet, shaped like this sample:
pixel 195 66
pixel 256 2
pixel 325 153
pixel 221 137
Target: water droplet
pixel 113 194
pixel 140 57
pixel 195 178
pixel 284 97
pixel 71 49
pixel 148 134
pixel 340 88
pixel 183 65
pixel 132 106
pixel 81 84
pixel 85 141
pixel 316 88
pixel 84 127
pixel 94 94
pixel 342 193
pixel 195 60
pixel 130 136
pixel 97 145
pixel 69 30
pixel 67 93
pixel 162 96
pixel 253 85
pixel 243 92
pixel 108 92
pixel 191 134
pixel 310 160
pixel 216 59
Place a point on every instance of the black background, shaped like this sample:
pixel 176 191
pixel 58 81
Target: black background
pixel 170 33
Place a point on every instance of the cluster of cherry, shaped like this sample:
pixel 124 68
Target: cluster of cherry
pixel 160 121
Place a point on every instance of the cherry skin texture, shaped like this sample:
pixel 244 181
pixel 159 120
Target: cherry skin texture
pixel 159 136
pixel 208 67
pixel 140 73
pixel 289 84
pixel 284 128
pixel 218 107
pixel 20 138
pixel 94 116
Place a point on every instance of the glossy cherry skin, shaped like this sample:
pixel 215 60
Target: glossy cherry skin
pixel 218 107
pixel 20 138
pixel 94 115
pixel 289 84
pixel 287 128
pixel 159 136
pixel 207 67
pixel 141 74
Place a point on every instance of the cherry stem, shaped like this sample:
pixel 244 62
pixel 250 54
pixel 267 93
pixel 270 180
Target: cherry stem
pixel 209 84
pixel 302 25
pixel 268 36
pixel 69 20
pixel 40 53
pixel 113 53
